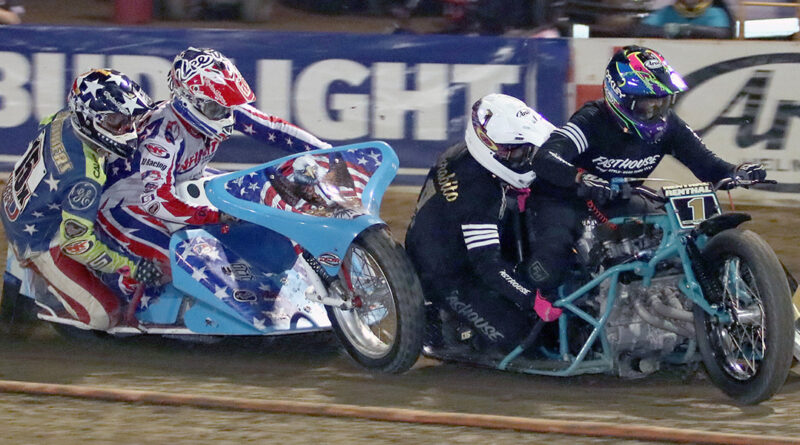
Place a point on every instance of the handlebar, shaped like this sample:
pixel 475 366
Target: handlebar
pixel 731 183
pixel 657 196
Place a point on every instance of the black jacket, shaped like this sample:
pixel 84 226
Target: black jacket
pixel 461 230
pixel 594 141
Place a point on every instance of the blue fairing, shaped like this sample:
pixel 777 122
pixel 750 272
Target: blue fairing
pixel 247 278
pixel 325 224
pixel 245 281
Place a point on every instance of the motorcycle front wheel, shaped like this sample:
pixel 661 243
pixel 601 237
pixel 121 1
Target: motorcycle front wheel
pixel 384 329
pixel 748 358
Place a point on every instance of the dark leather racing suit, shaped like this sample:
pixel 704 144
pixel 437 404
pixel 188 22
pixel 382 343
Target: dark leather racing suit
pixel 593 140
pixel 461 243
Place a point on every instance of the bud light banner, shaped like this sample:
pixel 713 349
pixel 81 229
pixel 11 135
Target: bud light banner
pixel 411 91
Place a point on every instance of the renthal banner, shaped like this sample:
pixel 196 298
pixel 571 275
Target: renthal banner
pixel 410 91
pixel 743 101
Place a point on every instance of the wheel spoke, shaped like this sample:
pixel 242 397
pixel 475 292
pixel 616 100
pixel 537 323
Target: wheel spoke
pixel 371 327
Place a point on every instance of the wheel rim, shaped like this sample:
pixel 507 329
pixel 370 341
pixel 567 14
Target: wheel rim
pixel 371 325
pixel 741 344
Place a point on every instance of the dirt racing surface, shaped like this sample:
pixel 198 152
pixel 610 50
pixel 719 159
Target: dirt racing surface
pixel 312 368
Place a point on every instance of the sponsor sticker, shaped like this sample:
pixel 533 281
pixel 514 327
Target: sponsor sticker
pixel 239 271
pixel 653 64
pixel 151 175
pixel 157 150
pixel 147 162
pixel 153 208
pixel 687 189
pixel 82 195
pixel 73 228
pixel 101 261
pixel 77 247
pixel 244 296
pixel 329 259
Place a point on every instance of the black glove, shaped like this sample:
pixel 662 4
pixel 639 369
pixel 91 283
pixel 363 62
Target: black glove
pixel 596 189
pixel 752 172
pixel 149 272
pixel 225 218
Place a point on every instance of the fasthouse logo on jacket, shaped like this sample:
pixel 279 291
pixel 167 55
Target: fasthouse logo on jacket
pixel 479 322
pixel 520 288
pixel 625 165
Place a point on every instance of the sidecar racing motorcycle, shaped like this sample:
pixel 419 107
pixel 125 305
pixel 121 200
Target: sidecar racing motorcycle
pixel 680 286
pixel 308 253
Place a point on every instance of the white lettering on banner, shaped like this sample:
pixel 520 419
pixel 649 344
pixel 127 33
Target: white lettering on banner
pixel 314 107
pixel 386 97
pixel 49 92
pixel 484 79
pixel 155 69
pixel 274 87
pixel 392 100
pixel 15 101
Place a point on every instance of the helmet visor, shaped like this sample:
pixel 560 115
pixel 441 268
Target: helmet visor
pixel 651 109
pixel 518 157
pixel 117 124
pixel 213 110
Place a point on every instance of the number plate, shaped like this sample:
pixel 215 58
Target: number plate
pixel 693 203
pixel 28 173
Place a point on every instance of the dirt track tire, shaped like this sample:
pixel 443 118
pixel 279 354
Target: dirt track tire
pixel 17 313
pixel 385 333
pixel 748 359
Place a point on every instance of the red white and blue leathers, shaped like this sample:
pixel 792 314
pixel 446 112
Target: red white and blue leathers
pixel 141 192
pixel 49 209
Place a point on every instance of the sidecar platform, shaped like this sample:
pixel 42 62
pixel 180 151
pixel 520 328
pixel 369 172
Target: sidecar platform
pixel 521 364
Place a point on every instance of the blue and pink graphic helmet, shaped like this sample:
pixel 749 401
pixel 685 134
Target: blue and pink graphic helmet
pixel 640 88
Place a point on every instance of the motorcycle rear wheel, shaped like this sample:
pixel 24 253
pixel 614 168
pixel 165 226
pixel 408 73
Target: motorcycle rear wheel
pixel 384 330
pixel 748 359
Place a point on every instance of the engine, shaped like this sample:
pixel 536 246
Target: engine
pixel 608 244
pixel 648 325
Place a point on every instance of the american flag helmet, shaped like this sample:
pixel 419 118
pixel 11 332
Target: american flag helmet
pixel 106 108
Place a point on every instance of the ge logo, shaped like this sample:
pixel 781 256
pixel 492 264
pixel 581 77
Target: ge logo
pixel 82 195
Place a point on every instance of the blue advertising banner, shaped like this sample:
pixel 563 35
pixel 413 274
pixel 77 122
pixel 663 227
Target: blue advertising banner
pixel 411 91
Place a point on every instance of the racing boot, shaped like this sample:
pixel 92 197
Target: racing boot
pixel 453 340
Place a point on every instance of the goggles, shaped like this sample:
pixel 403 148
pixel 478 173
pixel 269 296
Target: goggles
pixel 651 109
pixel 212 110
pixel 118 124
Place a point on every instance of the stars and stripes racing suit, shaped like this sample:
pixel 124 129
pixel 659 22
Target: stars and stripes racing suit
pixel 49 210
pixel 141 194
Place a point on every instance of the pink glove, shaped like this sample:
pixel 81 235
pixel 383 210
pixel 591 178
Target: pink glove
pixel 545 309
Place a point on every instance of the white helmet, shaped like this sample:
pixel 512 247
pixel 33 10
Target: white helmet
pixel 503 135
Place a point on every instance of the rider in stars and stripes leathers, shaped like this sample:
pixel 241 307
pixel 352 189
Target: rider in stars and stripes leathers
pixel 210 99
pixel 51 200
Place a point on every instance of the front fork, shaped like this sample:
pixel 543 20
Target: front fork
pixel 699 283
pixel 326 288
